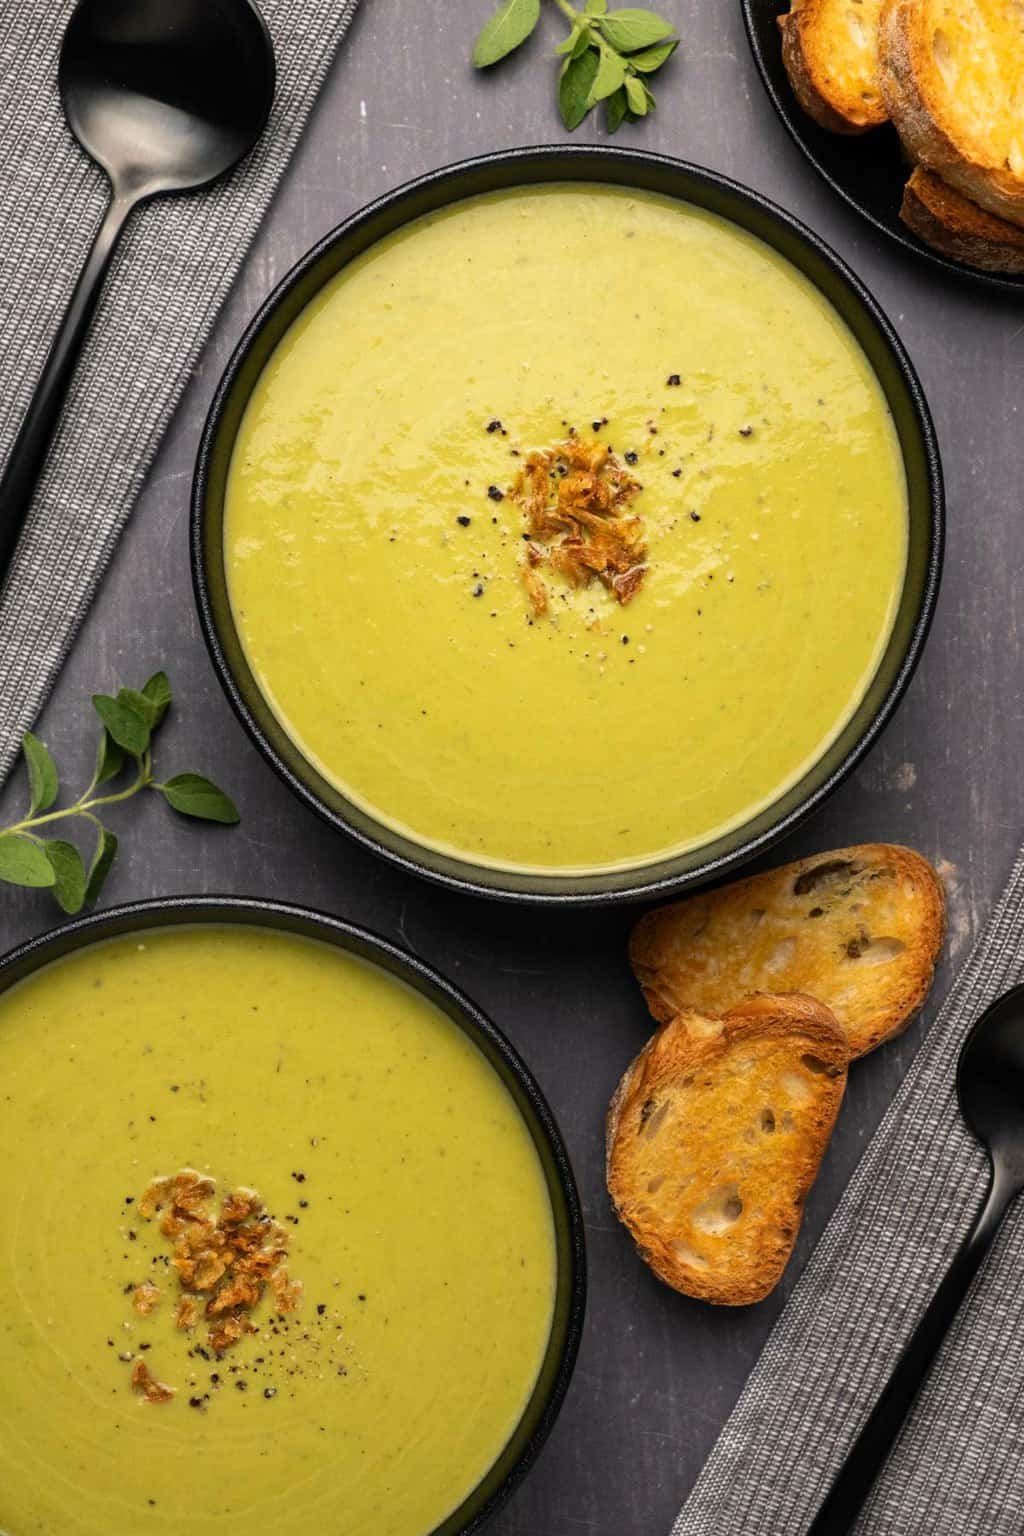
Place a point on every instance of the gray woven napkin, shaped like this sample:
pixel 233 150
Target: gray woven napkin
pixel 173 271
pixel 958 1469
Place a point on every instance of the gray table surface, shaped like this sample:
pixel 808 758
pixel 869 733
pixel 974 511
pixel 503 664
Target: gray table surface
pixel 657 1374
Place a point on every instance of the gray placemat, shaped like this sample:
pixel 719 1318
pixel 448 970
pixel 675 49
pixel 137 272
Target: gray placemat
pixel 958 1469
pixel 174 269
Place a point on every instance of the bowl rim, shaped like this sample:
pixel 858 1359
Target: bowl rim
pixel 604 887
pixel 546 1398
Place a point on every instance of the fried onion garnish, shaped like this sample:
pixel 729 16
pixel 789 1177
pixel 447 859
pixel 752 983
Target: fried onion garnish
pixel 224 1260
pixel 188 1314
pixel 575 499
pixel 146 1298
pixel 147 1386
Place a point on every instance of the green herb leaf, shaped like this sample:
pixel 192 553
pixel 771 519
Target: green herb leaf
pixel 632 29
pixel 127 724
pixel 99 869
pixel 583 42
pixel 579 40
pixel 158 693
pixel 43 782
pixel 653 58
pixel 602 51
pixel 129 720
pixel 68 872
pixel 616 108
pixel 611 73
pixel 636 95
pixel 510 25
pixel 109 759
pixel 139 705
pixel 193 795
pixel 575 86
pixel 23 862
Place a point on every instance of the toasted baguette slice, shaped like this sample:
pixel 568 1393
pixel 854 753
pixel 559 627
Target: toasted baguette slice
pixel 860 929
pixel 830 50
pixel 949 223
pixel 715 1136
pixel 951 77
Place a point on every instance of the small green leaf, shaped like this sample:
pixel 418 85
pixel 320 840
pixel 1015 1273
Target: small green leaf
pixel 653 58
pixel 510 25
pixel 99 869
pixel 616 108
pixel 137 702
pixel 611 73
pixel 193 795
pixel 584 41
pixel 158 692
pixel 595 7
pixel 632 29
pixel 23 862
pixel 68 872
pixel 579 40
pixel 109 759
pixel 43 782
pixel 575 86
pixel 129 728
pixel 636 95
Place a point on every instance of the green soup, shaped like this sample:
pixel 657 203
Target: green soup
pixel 420 1225
pixel 374 554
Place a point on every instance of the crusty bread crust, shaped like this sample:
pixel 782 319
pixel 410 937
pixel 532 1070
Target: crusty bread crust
pixel 858 928
pixel 921 83
pixel 829 48
pixel 714 1138
pixel 949 223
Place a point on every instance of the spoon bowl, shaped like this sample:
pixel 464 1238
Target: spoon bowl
pixel 990 1083
pixel 166 97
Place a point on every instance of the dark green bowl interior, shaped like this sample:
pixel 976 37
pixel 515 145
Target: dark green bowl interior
pixel 570 1294
pixel 643 172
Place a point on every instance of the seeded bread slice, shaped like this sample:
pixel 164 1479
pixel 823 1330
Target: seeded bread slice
pixel 952 80
pixel 949 223
pixel 859 928
pixel 715 1136
pixel 830 50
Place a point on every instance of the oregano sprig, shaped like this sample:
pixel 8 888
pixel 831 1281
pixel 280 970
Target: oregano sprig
pixel 608 55
pixel 130 720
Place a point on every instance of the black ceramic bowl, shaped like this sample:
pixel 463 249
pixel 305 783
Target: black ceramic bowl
pixel 570 1295
pixel 644 172
pixel 867 170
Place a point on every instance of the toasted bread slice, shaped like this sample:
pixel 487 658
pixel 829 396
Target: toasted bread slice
pixel 715 1136
pixel 952 78
pixel 860 929
pixel 949 223
pixel 830 50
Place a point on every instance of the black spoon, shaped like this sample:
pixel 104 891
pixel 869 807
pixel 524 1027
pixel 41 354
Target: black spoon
pixel 990 1087
pixel 166 95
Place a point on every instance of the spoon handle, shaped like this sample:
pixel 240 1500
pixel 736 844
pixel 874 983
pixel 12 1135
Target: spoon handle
pixel 854 1480
pixel 28 454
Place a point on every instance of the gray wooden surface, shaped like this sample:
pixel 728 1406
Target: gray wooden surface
pixel 657 1374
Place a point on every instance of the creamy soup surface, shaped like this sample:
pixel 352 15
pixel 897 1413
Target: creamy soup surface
pixel 419 1222
pixel 375 553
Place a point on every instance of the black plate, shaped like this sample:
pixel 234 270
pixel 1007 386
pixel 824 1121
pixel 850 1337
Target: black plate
pixel 643 172
pixel 571 1286
pixel 868 170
